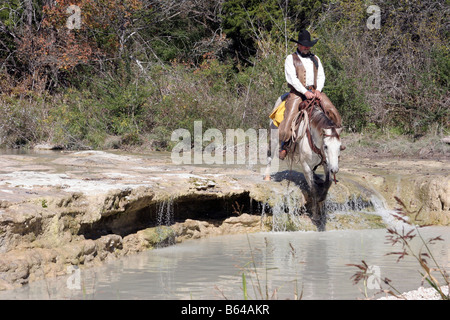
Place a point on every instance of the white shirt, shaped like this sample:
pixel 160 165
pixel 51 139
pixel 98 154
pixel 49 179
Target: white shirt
pixel 291 73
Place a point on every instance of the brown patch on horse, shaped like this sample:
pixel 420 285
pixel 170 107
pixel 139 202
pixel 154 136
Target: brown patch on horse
pixel 319 120
pixel 335 117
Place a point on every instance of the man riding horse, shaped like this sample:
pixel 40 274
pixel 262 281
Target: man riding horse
pixel 306 78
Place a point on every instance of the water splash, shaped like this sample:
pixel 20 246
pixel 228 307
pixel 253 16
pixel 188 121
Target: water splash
pixel 381 209
pixel 355 203
pixel 288 213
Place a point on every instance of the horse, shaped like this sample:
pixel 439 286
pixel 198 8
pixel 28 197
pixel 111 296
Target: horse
pixel 318 142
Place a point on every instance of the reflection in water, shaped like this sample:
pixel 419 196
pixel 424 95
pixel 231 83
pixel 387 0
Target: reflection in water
pixel 314 262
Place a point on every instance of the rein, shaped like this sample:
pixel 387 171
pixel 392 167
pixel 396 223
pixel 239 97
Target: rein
pixel 308 109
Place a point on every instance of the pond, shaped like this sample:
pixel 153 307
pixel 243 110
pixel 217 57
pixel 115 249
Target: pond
pixel 278 265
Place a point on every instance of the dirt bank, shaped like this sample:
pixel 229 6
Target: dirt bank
pixel 82 208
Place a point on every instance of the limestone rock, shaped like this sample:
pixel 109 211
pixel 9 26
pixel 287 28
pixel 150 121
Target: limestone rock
pixel 242 223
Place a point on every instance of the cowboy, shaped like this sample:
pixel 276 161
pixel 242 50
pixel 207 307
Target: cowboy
pixel 306 78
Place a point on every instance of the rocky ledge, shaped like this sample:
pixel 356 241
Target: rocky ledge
pixel 82 208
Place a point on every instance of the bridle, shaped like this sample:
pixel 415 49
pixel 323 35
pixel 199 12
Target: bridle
pixel 308 109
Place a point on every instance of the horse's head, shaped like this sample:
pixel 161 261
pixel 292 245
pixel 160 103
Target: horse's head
pixel 331 148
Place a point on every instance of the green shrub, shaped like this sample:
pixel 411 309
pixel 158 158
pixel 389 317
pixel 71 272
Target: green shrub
pixel 23 120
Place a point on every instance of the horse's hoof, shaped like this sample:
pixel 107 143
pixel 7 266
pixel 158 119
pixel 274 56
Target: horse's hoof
pixel 267 178
pixel 343 147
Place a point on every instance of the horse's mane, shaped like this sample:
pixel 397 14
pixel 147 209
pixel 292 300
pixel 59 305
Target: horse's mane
pixel 320 121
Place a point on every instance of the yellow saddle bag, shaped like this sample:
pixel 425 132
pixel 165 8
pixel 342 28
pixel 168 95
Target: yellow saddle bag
pixel 278 114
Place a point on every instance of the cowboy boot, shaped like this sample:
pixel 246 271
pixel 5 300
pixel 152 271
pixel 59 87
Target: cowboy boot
pixel 283 151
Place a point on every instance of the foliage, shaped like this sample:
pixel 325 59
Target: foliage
pixel 247 21
pixel 139 69
pixel 22 120
pixel 397 74
pixel 106 107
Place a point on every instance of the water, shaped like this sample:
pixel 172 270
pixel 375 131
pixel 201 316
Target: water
pixel 314 263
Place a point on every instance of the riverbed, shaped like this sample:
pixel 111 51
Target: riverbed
pixel 276 265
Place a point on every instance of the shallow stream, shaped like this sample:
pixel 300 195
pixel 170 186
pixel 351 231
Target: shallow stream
pixel 277 265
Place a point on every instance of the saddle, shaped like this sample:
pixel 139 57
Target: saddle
pixel 304 113
pixel 305 106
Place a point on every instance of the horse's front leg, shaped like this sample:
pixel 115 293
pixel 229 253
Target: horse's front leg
pixel 313 199
pixel 327 174
pixel 309 176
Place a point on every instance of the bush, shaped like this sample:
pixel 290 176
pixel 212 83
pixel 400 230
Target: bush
pixel 84 118
pixel 23 120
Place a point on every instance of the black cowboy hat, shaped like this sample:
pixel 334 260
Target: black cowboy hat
pixel 304 38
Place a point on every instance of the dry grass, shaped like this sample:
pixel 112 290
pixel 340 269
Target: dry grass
pixel 388 144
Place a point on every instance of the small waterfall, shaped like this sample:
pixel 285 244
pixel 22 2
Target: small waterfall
pixel 286 215
pixel 355 203
pixel 381 209
pixel 285 209
pixel 164 219
pixel 165 213
pixel 289 215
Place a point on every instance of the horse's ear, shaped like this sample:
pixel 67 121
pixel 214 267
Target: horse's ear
pixel 339 130
pixel 326 131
